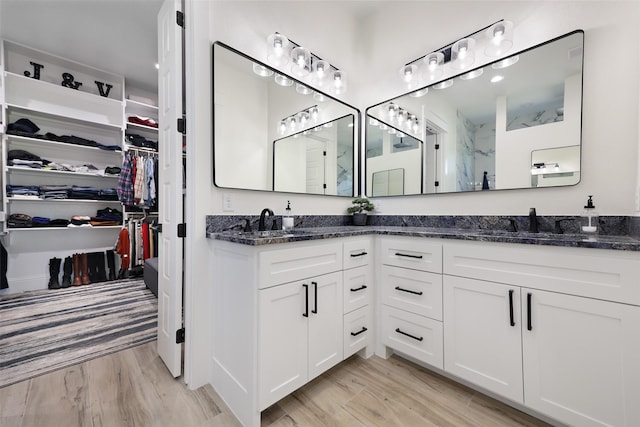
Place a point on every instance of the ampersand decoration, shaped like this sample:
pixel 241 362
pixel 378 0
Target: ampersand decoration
pixel 69 81
pixel 101 86
pixel 36 70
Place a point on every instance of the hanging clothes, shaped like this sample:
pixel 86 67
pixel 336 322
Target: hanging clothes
pixel 4 283
pixel 122 248
pixel 125 181
pixel 139 181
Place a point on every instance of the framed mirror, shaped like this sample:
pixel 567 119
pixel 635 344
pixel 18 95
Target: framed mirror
pixel 275 133
pixel 487 129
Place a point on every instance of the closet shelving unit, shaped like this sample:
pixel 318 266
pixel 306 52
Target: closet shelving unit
pixel 60 110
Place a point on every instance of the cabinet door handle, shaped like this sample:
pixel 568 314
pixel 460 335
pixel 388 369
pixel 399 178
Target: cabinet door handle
pixel 355 334
pixel 529 325
pixel 398 288
pixel 409 255
pixel 512 321
pixel 357 255
pixel 409 335
pixel 306 300
pixel 315 297
pixel 358 289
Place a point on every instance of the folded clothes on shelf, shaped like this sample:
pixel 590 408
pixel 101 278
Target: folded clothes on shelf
pixel 23 125
pixel 19 220
pixel 23 158
pixel 140 141
pixel 145 121
pixel 22 190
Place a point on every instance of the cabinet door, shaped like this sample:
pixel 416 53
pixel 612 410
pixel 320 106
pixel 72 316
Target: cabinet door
pixel 325 323
pixel 581 359
pixel 282 340
pixel 482 334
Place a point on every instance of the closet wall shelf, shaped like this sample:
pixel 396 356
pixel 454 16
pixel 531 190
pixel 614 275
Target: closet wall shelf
pixel 82 201
pixel 27 229
pixel 43 143
pixel 136 126
pixel 18 170
pixel 61 114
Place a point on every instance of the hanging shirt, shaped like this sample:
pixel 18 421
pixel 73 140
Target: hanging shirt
pixel 139 181
pixel 150 182
pixel 122 248
pixel 125 182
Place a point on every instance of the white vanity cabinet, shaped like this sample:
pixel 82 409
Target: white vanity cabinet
pixel 411 297
pixel 281 316
pixel 558 334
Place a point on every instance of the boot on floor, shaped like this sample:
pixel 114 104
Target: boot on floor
pixel 67 268
pixel 101 272
pixel 91 267
pixel 84 269
pixel 54 273
pixel 111 263
pixel 77 270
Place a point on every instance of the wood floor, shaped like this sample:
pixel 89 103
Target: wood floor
pixel 133 388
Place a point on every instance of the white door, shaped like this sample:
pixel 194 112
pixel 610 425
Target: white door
pixel 282 357
pixel 325 323
pixel 482 334
pixel 170 260
pixel 581 359
pixel 316 174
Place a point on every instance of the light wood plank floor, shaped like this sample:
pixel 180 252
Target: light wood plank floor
pixel 133 388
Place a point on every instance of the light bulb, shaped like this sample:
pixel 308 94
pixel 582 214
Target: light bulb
pixel 339 82
pixel 392 109
pixel 292 123
pixel 500 37
pixel 301 58
pixel 402 116
pixel 462 55
pixel 282 127
pixel 416 126
pixel 277 47
pixel 314 113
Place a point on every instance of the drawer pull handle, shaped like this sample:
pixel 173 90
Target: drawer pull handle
pixel 306 300
pixel 511 319
pixel 315 297
pixel 358 289
pixel 355 334
pixel 398 288
pixel 409 255
pixel 357 255
pixel 529 325
pixel 409 335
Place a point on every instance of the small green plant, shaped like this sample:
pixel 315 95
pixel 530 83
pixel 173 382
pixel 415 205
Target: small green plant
pixel 360 205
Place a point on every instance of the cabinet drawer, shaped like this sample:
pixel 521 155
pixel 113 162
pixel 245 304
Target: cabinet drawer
pixel 358 288
pixel 414 335
pixel 297 263
pixel 419 292
pixel 595 273
pixel 357 253
pixel 415 253
pixel 357 331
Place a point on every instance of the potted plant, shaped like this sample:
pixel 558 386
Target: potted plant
pixel 359 210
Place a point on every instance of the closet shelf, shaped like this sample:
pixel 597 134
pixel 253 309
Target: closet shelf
pixel 39 142
pixel 136 126
pixel 83 201
pixel 61 114
pixel 104 227
pixel 25 171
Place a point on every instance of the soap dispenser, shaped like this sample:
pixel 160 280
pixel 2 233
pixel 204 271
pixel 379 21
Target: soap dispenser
pixel 589 220
pixel 287 219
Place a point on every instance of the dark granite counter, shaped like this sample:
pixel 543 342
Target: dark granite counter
pixel 255 238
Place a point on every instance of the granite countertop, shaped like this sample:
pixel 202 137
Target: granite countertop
pixel 624 243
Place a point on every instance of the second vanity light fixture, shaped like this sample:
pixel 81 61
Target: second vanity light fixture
pixel 497 39
pixel 305 64
pixel 299 120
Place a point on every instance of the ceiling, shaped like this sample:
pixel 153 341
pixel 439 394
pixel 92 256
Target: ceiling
pixel 119 36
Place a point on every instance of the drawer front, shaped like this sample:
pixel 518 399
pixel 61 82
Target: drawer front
pixel 298 262
pixel 357 253
pixel 418 292
pixel 415 253
pixel 358 331
pixel 414 335
pixel 357 288
pixel 595 273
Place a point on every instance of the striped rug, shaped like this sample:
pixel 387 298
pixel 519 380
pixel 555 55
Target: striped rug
pixel 47 330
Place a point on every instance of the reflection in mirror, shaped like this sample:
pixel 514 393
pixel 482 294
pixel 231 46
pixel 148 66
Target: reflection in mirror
pixel 493 119
pixel 316 161
pixel 255 105
pixel 390 148
pixel 388 183
pixel 552 167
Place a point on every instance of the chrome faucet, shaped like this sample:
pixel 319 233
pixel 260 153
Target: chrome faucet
pixel 265 211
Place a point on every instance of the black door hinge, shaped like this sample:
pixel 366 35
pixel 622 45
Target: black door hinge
pixel 437 146
pixel 182 230
pixel 437 183
pixel 180 18
pixel 182 125
pixel 158 228
pixel 324 153
pixel 180 336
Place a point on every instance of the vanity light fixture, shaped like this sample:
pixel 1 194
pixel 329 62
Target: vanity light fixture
pixel 500 36
pixel 398 116
pixel 278 49
pixel 298 120
pixel 281 50
pixel 495 40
